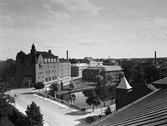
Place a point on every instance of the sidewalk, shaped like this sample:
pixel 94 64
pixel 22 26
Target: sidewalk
pixel 87 113
pixel 58 104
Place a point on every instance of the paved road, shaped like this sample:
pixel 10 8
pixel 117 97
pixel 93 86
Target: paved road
pixel 53 114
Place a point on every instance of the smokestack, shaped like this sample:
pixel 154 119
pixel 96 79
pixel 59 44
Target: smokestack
pixel 67 54
pixel 155 58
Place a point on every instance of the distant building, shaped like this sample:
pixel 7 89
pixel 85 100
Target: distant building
pixel 111 62
pixel 91 61
pixel 76 69
pixel 40 66
pixel 90 73
pixel 163 71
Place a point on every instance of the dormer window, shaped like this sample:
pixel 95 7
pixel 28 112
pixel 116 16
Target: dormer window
pixel 45 60
pixel 49 60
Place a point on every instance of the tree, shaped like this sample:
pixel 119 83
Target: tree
pixel 54 87
pixel 72 84
pixel 5 108
pixel 151 73
pixel 127 66
pixel 61 85
pixel 34 116
pixel 99 80
pixel 107 111
pixel 39 85
pixel 93 99
pixel 102 93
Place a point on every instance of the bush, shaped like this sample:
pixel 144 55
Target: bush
pixel 83 109
pixel 107 111
pixel 90 119
pixel 39 85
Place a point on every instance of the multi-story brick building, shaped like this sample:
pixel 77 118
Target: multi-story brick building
pixel 40 66
pixel 76 69
pixel 90 73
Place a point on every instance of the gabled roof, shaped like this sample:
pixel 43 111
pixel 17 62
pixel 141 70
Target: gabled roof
pixel 151 111
pixel 45 54
pixel 124 84
pixel 89 58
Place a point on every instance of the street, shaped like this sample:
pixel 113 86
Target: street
pixel 54 114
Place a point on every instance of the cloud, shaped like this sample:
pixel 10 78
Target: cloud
pixel 56 15
pixel 159 19
pixel 76 6
pixel 163 35
pixel 89 42
pixel 11 48
pixel 115 39
pixel 7 20
pixel 56 45
pixel 141 35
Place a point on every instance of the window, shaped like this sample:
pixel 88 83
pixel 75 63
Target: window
pixel 45 60
pixel 53 78
pixel 49 60
pixel 46 79
pixel 49 78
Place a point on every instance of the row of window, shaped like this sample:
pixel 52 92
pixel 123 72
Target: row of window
pixel 49 60
pixel 50 78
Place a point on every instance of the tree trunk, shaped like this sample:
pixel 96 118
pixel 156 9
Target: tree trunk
pixel 104 104
pixel 93 108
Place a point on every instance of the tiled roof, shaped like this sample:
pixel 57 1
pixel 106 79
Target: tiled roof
pixel 45 54
pixel 108 68
pixel 161 81
pixel 151 111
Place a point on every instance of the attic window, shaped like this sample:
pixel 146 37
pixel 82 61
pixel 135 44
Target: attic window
pixel 48 60
pixel 45 60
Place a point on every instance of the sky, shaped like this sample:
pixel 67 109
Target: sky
pixel 86 28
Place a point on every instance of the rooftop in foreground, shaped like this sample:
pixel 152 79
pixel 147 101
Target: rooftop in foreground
pixel 148 112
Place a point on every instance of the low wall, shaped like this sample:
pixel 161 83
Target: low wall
pixel 62 101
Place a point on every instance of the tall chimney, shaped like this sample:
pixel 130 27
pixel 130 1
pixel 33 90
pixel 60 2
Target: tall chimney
pixel 67 54
pixel 155 58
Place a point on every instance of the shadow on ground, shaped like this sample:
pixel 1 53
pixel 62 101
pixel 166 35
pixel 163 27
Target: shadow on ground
pixel 28 93
pixel 78 113
pixel 83 121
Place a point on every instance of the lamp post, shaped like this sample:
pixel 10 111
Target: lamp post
pixel 101 110
pixel 29 83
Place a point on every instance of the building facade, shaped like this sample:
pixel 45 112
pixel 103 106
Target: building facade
pixel 91 61
pixel 90 73
pixel 76 69
pixel 40 66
